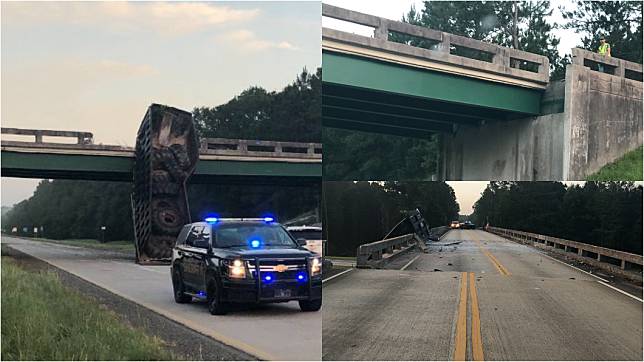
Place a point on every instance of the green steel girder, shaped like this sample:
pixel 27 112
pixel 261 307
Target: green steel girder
pixel 119 168
pixel 369 95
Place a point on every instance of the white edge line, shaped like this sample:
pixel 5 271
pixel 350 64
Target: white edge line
pixel 619 290
pixel 572 266
pixel 411 261
pixel 601 281
pixel 337 275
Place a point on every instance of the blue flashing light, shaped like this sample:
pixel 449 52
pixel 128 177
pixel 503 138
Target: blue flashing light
pixel 269 219
pixel 211 219
pixel 255 243
pixel 301 277
pixel 268 278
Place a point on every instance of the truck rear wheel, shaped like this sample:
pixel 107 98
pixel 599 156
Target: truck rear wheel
pixel 310 305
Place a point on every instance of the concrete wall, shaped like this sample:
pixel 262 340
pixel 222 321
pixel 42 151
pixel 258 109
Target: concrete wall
pixel 603 120
pixel 600 122
pixel 522 150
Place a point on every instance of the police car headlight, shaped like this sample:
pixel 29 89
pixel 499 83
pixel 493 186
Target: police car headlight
pixel 236 269
pixel 316 266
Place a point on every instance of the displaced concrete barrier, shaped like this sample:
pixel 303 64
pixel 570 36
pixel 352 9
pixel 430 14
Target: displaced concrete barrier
pixel 618 262
pixel 378 253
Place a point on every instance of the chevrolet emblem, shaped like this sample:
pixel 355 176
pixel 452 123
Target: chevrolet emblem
pixel 280 268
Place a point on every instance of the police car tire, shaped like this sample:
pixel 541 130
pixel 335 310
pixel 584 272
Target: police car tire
pixel 310 305
pixel 178 288
pixel 215 306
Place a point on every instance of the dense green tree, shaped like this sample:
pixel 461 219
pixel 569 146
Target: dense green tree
pixel 293 114
pixel 355 213
pixel 607 214
pixel 619 21
pixel 352 155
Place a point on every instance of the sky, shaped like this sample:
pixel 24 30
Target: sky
pixel 394 10
pixel 97 66
pixel 467 193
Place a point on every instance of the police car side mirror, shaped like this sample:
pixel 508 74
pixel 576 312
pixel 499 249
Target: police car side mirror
pixel 301 242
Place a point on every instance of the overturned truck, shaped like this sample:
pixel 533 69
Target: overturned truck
pixel 166 154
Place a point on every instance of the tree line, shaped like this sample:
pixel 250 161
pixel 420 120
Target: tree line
pixel 77 209
pixel 607 214
pixel 355 213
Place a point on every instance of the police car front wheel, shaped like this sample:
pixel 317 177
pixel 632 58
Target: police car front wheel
pixel 310 305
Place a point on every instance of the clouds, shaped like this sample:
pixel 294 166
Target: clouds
pixel 167 19
pixel 164 19
pixel 248 41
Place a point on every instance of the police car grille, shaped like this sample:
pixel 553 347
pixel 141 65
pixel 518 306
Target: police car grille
pixel 292 268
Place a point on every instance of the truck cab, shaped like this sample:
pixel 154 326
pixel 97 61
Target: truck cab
pixel 231 261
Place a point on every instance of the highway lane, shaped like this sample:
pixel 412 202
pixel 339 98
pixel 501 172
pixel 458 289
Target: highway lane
pixel 524 305
pixel 273 332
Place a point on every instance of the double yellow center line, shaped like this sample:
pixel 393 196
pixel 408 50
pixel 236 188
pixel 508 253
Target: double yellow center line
pixel 460 349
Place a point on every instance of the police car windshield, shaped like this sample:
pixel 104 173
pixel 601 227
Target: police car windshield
pixel 250 235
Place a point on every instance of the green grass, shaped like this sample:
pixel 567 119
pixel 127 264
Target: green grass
pixel 627 168
pixel 120 245
pixel 43 320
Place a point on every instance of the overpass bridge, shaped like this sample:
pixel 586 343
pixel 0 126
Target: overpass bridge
pixel 481 296
pixel 220 160
pixel 499 116
pixel 168 154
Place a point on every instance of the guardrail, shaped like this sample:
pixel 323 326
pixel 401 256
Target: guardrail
pixel 208 146
pixel 619 262
pixel 445 47
pixel 376 254
pixel 614 66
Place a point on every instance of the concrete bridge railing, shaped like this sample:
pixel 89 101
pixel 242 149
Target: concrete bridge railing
pixel 83 138
pixel 376 254
pixel 224 146
pixel 446 48
pixel 615 261
pixel 208 146
pixel 614 66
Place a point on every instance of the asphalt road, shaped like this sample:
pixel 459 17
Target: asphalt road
pixel 478 296
pixel 272 332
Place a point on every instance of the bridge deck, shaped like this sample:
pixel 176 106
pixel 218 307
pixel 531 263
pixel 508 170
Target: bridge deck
pixel 114 163
pixel 528 305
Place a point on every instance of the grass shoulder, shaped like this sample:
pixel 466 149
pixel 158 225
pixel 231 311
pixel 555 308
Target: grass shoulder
pixel 44 320
pixel 628 168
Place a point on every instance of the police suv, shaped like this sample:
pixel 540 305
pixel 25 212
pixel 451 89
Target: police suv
pixel 227 261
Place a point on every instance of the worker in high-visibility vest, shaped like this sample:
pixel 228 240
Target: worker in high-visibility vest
pixel 604 49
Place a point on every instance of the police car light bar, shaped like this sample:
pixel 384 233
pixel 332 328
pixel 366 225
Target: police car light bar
pixel 211 220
